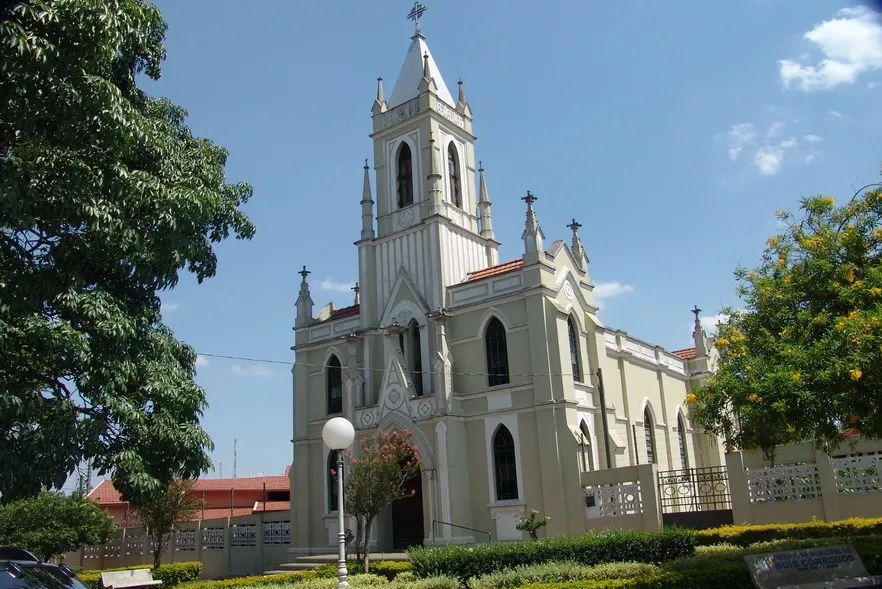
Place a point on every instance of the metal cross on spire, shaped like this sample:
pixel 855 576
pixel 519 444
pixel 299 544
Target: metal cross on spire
pixel 574 226
pixel 304 273
pixel 415 14
pixel 696 311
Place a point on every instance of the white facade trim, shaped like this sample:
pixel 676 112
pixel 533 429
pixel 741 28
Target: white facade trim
pixel 490 314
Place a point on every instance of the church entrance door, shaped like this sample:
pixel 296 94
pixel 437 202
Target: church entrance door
pixel 407 517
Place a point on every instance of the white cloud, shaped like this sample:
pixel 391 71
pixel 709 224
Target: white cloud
pixel 709 322
pixel 607 290
pixel 774 129
pixel 201 361
pixel 768 156
pixel 250 370
pixel 328 284
pixel 809 158
pixel 812 138
pixel 851 44
pixel 168 307
pixel 872 85
pixel 835 113
pixel 740 135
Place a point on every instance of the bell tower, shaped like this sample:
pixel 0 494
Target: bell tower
pixel 430 223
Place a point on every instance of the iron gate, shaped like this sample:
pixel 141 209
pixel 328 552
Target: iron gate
pixel 695 497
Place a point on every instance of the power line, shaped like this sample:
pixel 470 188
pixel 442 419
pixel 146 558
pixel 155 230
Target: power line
pixel 384 370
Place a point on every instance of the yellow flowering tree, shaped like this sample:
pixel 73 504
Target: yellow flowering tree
pixel 802 360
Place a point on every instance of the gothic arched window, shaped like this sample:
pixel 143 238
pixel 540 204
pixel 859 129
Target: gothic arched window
pixel 649 435
pixel 416 357
pixel 585 443
pixel 454 176
pixel 335 386
pixel 505 468
pixel 332 480
pixel 405 176
pixel 497 353
pixel 574 350
pixel 681 434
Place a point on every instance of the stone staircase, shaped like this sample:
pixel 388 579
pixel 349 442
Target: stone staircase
pixel 311 561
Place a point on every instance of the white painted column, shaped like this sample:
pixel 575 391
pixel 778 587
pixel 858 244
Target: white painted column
pixel 443 476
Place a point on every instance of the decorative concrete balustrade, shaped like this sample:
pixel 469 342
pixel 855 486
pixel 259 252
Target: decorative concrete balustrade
pixel 243 545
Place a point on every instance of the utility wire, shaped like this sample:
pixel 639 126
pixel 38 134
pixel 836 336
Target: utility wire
pixel 384 370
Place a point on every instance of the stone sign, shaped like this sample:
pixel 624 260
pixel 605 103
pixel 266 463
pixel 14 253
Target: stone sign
pixel 797 569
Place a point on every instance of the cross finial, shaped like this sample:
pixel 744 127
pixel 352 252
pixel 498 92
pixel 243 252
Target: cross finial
pixel 529 199
pixel 357 290
pixel 304 273
pixel 481 164
pixel 696 311
pixel 574 226
pixel 415 14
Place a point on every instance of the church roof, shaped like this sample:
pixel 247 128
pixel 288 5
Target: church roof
pixel 408 82
pixel 349 311
pixel 685 354
pixel 495 270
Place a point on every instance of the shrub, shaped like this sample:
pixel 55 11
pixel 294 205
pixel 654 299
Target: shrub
pixel 171 574
pixel 255 581
pixel 359 581
pixel 466 562
pixel 561 572
pixel 747 535
pixel 385 568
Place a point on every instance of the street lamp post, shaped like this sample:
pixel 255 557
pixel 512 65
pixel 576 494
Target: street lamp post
pixel 338 434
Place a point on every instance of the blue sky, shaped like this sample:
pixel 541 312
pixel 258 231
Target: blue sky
pixel 670 130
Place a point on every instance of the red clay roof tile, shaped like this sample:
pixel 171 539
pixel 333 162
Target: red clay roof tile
pixel 495 270
pixel 272 506
pixel 350 311
pixel 686 354
pixel 106 494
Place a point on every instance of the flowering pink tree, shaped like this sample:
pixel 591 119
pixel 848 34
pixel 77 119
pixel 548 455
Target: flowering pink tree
pixel 379 476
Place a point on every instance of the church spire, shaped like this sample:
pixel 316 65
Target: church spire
pixel 462 105
pixel 576 248
pixel 367 206
pixel 380 103
pixel 418 72
pixel 698 335
pixel 304 301
pixel 484 204
pixel 534 238
pixel 427 83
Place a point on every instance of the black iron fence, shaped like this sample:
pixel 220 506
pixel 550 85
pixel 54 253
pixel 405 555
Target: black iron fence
pixel 694 489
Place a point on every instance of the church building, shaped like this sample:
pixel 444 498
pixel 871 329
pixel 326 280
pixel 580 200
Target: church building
pixel 510 383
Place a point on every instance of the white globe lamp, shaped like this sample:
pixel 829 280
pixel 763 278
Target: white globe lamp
pixel 338 433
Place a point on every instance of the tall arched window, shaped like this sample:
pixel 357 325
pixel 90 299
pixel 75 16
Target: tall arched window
pixel 649 434
pixel 585 443
pixel 505 468
pixel 497 353
pixel 454 176
pixel 574 350
pixel 681 435
pixel 335 386
pixel 405 176
pixel 416 357
pixel 332 480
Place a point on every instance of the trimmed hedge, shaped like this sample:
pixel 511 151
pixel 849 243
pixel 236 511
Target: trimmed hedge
pixel 560 572
pixel 255 581
pixel 747 535
pixel 720 566
pixel 384 568
pixel 466 562
pixel 171 574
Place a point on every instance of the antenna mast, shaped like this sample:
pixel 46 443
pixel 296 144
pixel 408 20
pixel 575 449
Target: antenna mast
pixel 220 467
pixel 235 443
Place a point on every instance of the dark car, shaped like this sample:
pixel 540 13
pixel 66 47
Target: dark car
pixel 19 569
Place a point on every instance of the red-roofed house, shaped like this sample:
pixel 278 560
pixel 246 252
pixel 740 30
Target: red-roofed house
pixel 220 498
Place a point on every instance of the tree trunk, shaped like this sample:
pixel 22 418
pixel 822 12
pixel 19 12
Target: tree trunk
pixel 359 531
pixel 367 543
pixel 157 550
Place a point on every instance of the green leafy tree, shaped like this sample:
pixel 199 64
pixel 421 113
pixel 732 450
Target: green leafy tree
pixel 379 476
pixel 532 525
pixel 162 513
pixel 51 525
pixel 803 359
pixel 105 196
